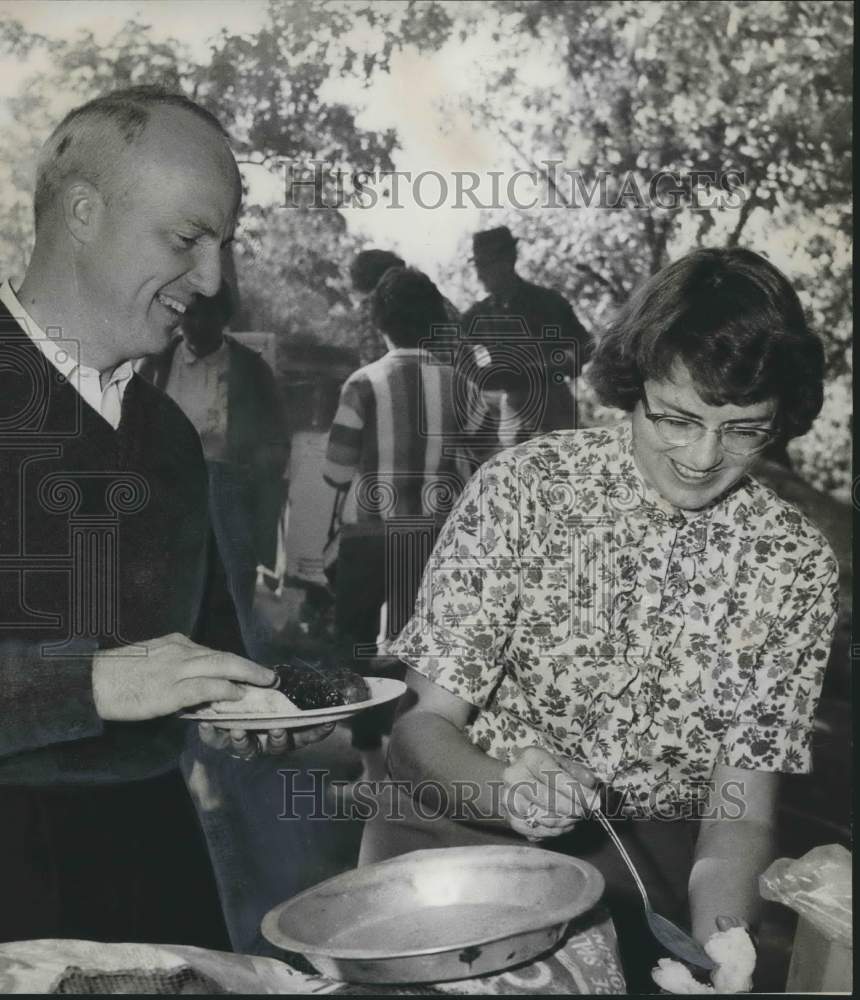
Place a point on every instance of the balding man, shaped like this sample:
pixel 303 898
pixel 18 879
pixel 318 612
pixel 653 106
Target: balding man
pixel 105 547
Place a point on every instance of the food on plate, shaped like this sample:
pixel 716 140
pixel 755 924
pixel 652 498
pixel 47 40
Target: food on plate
pixel 320 684
pixel 734 953
pixel 301 685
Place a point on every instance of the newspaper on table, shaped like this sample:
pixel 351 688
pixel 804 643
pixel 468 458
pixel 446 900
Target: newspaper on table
pixel 586 963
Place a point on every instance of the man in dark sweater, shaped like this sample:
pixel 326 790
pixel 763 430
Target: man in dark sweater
pixel 106 569
pixel 528 347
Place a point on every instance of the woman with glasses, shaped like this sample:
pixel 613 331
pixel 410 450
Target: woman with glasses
pixel 626 614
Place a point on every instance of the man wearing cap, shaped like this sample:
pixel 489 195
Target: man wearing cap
pixel 528 347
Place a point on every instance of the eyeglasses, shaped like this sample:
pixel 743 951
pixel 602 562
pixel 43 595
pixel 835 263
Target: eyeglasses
pixel 681 431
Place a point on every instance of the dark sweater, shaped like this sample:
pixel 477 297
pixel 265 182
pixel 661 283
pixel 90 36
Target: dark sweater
pixel 104 541
pixel 527 313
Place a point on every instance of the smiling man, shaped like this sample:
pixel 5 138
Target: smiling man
pixel 105 545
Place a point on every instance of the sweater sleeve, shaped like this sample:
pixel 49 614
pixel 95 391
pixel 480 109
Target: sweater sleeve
pixel 343 452
pixel 45 699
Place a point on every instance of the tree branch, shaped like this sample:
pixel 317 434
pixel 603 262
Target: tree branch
pixel 747 208
pixel 617 294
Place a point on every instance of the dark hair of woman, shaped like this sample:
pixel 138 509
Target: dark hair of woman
pixel 407 305
pixel 736 323
pixel 369 266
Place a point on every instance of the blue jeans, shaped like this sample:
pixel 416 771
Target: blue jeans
pixel 268 827
pixel 231 511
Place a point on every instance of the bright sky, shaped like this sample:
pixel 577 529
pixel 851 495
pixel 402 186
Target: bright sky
pixel 420 99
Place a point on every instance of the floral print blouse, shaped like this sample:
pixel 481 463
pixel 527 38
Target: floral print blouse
pixel 577 610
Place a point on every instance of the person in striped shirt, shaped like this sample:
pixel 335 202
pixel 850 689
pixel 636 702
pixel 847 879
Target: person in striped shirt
pixel 398 451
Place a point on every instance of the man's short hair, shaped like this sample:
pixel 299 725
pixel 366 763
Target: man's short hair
pixel 369 266
pixel 407 305
pixel 91 140
pixel 736 323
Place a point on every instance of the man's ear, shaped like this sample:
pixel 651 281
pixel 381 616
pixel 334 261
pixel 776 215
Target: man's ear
pixel 83 208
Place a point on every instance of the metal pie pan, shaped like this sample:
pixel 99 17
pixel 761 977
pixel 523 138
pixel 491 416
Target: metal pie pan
pixel 436 915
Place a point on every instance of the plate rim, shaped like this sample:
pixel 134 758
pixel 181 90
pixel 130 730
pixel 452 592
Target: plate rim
pixel 397 688
pixel 594 888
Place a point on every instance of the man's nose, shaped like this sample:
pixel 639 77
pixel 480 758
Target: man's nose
pixel 206 274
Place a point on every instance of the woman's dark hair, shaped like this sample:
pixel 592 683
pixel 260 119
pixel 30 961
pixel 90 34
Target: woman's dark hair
pixel 369 266
pixel 735 322
pixel 407 305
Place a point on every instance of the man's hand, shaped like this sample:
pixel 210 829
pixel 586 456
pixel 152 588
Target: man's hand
pixel 246 745
pixel 545 796
pixel 166 675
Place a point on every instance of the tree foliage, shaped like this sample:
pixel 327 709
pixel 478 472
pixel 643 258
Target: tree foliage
pixel 648 89
pixel 676 88
pixel 633 91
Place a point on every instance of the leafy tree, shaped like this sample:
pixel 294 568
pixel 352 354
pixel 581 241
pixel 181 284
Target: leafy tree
pixel 290 266
pixel 640 90
pixel 669 88
pixel 738 89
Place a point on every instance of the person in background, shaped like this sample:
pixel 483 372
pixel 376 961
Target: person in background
pixel 230 395
pixel 366 269
pixel 107 578
pixel 390 449
pixel 529 347
pixel 625 613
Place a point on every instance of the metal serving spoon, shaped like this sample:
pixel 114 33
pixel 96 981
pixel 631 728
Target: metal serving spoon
pixel 678 942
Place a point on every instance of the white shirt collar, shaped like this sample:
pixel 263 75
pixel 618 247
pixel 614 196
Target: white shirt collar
pixel 63 355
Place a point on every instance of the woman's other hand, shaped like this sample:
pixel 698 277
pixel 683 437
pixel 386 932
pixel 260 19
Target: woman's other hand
pixel 544 795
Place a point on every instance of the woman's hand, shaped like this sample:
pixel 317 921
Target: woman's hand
pixel 545 796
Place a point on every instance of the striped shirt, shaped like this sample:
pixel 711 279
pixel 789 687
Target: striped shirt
pixel 393 442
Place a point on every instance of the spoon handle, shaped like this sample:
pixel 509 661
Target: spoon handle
pixel 607 826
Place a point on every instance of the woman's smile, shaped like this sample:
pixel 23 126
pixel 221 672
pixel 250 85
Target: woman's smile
pixel 688 475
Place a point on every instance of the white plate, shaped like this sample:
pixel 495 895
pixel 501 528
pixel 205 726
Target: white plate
pixel 382 690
